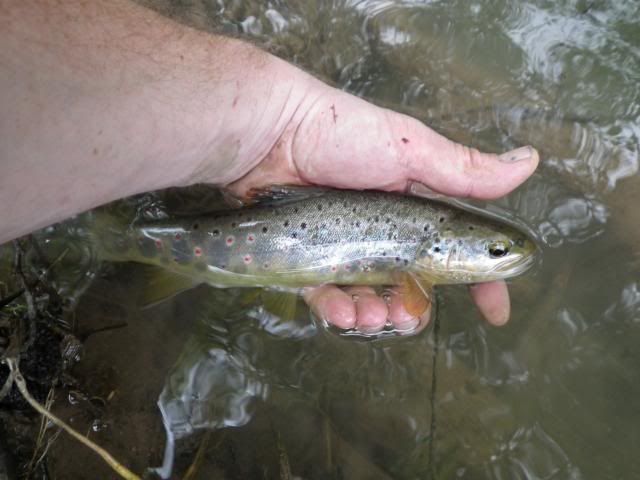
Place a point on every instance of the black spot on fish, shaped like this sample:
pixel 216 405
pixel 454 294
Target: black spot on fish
pixel 376 219
pixel 441 219
pixel 354 210
pixel 294 235
pixel 406 262
pixel 286 223
pixel 426 228
pixel 357 224
pixel 398 259
pixel 234 225
pixel 264 229
pixel 436 249
pixel 216 233
pixel 384 254
pixel 181 251
pixel 196 226
pixel 337 221
pixel 319 207
pixel 295 210
pixel 303 225
pixel 415 219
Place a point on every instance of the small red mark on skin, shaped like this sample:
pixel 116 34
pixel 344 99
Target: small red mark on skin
pixel 197 252
pixel 251 238
pixel 266 265
pixel 405 140
pixel 333 110
pixel 230 240
pixel 178 236
pixel 159 244
pixel 235 101
pixel 247 259
pixel 334 268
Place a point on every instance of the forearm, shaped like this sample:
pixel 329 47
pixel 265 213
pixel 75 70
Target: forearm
pixel 101 100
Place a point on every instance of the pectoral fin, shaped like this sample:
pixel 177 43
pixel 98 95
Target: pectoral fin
pixel 161 284
pixel 416 294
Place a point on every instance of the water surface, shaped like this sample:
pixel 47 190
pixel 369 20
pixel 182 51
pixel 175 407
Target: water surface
pixel 553 395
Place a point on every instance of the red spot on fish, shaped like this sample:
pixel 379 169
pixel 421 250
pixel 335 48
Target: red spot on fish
pixel 230 240
pixel 197 252
pixel 178 236
pixel 334 268
pixel 247 259
pixel 251 238
pixel 347 267
pixel 159 244
pixel 405 140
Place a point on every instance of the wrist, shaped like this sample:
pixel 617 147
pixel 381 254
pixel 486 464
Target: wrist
pixel 256 101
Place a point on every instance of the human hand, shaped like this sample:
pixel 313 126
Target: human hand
pixel 342 141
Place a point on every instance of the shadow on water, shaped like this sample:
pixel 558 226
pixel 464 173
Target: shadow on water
pixel 552 395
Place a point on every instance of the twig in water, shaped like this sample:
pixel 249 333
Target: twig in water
pixel 123 471
pixel 197 461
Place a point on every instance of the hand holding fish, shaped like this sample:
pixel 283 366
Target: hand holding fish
pixel 338 140
pixel 96 108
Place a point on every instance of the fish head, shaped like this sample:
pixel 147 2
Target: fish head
pixel 475 250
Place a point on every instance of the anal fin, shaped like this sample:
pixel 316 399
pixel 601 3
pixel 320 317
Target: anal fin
pixel 161 284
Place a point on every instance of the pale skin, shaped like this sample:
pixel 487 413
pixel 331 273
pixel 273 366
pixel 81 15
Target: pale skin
pixel 105 99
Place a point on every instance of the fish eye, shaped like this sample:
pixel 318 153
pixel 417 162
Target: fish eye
pixel 498 249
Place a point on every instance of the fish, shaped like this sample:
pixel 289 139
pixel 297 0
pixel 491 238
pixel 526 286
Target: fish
pixel 296 237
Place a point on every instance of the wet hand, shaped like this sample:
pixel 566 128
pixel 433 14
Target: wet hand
pixel 341 141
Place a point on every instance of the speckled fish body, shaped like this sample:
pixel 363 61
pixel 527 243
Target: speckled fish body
pixel 342 237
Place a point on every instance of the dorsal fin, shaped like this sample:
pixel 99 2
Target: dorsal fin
pixel 275 195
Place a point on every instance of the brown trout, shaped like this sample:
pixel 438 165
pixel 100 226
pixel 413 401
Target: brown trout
pixel 313 237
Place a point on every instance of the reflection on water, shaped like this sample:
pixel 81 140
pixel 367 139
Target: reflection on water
pixel 553 394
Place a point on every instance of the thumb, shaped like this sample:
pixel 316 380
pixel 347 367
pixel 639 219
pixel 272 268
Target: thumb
pixel 348 143
pixel 460 171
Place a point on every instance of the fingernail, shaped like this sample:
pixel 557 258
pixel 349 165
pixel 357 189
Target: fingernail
pixel 517 155
pixel 409 325
pixel 369 330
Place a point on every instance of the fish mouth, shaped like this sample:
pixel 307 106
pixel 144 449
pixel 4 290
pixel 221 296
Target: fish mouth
pixel 519 266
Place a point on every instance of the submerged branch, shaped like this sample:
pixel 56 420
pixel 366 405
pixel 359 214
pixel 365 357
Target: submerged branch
pixel 123 471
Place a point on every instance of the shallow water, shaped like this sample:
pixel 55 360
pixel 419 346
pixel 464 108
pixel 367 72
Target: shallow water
pixel 550 396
